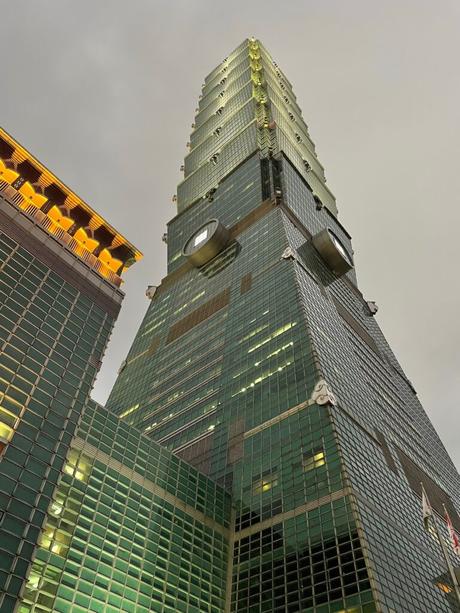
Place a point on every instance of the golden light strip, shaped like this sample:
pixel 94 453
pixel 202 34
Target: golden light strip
pixel 28 198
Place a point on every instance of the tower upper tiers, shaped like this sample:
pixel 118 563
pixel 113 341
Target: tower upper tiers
pixel 247 104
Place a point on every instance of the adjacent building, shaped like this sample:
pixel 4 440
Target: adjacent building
pixel 60 267
pixel 260 362
pixel 132 528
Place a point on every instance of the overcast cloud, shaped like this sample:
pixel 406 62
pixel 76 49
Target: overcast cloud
pixel 103 93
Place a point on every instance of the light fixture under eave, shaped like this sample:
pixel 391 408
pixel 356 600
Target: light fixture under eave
pixel 7 174
pixel 30 195
pixel 31 187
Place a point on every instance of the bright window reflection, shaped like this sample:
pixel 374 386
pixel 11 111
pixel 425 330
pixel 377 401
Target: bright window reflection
pixel 314 460
pixel 199 238
pixel 266 482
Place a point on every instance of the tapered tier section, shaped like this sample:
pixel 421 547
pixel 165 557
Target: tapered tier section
pixel 247 105
pixel 260 362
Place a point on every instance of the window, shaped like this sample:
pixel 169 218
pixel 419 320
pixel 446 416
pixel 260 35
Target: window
pixel 78 466
pixel 265 482
pixel 310 461
pixel 7 424
pixel 128 411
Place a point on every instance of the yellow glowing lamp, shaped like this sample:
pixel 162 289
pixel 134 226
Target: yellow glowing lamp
pixel 61 220
pixel 6 174
pixel 115 264
pixel 109 261
pixel 82 237
pixel 31 196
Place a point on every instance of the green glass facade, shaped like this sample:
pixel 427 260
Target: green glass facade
pixel 57 311
pixel 52 339
pixel 131 528
pixel 233 366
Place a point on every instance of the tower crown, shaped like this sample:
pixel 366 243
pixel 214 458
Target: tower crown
pixel 247 105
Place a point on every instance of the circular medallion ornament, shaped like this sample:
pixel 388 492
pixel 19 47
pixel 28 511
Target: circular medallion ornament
pixel 206 242
pixel 333 252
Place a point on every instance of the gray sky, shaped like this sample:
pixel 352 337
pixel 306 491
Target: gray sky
pixel 103 93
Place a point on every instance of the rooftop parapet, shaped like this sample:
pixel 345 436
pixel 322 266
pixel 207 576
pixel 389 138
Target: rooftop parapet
pixel 32 188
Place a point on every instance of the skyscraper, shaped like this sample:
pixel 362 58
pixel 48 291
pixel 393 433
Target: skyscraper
pixel 60 266
pixel 260 362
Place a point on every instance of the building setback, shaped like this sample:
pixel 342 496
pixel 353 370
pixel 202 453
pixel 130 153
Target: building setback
pixel 131 527
pixel 260 362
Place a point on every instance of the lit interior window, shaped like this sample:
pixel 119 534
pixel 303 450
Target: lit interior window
pixel 33 582
pixel 130 410
pixel 55 540
pixel 56 508
pixel 265 483
pixel 314 460
pixel 185 305
pixel 270 355
pixel 7 424
pixel 262 377
pixel 276 333
pixel 153 327
pixel 78 466
pixel 253 333
pixel 276 352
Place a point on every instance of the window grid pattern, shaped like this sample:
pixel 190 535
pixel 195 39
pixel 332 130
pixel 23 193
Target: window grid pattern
pixel 114 545
pixel 215 142
pixel 232 60
pixel 208 175
pixel 206 113
pixel 272 343
pixel 52 338
pixel 247 365
pixel 313 562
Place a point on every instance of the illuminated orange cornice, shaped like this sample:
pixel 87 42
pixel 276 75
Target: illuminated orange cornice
pixel 30 186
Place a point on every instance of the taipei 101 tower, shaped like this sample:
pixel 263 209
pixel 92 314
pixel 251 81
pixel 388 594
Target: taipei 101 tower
pixel 260 362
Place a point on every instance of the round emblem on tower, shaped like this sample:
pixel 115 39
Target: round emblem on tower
pixel 206 242
pixel 333 252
